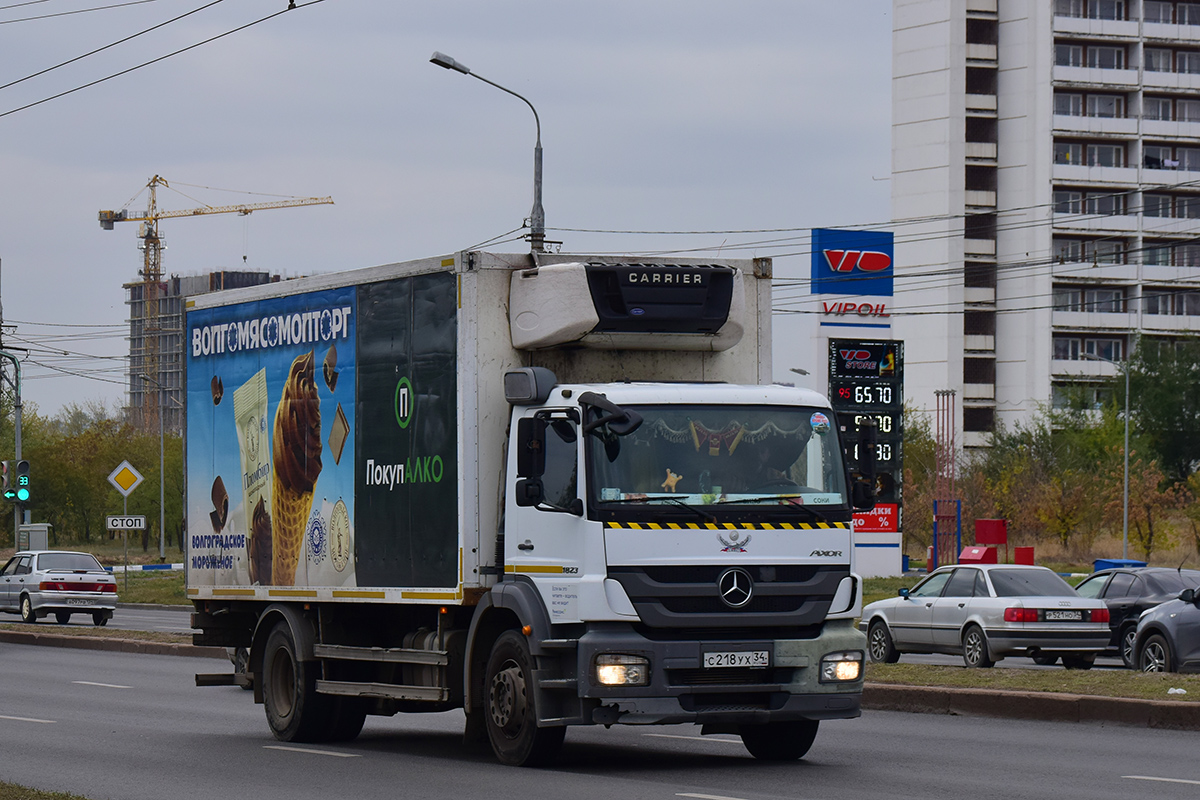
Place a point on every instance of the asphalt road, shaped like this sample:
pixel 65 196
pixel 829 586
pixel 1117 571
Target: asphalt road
pixel 116 725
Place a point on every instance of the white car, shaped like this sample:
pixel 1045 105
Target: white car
pixel 986 612
pixel 39 583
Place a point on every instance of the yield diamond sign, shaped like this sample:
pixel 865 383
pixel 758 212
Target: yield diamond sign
pixel 125 478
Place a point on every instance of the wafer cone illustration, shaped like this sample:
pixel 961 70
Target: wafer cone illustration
pixel 296 451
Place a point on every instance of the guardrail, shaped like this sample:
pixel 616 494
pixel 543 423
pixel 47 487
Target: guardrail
pixel 144 568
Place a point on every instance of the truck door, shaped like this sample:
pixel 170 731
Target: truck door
pixel 545 537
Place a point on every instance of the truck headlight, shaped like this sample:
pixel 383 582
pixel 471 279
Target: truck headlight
pixel 619 669
pixel 840 667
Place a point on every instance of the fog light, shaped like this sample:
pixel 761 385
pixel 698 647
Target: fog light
pixel 838 667
pixel 618 669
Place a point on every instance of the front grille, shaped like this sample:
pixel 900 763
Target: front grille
pixel 730 676
pixel 787 596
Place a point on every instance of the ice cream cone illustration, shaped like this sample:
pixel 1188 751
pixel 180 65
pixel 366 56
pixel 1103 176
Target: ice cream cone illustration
pixel 296 450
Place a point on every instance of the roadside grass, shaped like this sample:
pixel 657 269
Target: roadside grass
pixel 1096 682
pixel 11 791
pixel 165 588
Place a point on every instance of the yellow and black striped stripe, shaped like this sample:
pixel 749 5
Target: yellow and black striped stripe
pixel 727 526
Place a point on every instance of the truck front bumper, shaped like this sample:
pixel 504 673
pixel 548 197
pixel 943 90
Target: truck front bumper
pixel 681 689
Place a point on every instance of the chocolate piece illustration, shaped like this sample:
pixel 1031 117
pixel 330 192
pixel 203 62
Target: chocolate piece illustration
pixel 330 368
pixel 260 545
pixel 338 434
pixel 220 501
pixel 218 390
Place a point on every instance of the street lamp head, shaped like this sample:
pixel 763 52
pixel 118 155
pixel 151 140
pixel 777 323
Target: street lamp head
pixel 446 62
pixel 799 371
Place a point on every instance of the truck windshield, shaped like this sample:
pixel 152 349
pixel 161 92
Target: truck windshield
pixel 716 455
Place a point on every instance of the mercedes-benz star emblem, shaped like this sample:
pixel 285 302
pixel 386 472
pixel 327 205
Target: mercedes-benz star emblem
pixel 735 587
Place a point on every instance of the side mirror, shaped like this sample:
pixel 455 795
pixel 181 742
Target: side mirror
pixel 903 593
pixel 862 495
pixel 531 447
pixel 529 492
pixel 1188 595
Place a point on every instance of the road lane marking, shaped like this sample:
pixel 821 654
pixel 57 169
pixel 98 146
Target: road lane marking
pixel 105 685
pixel 1161 780
pixel 311 751
pixel 706 796
pixel 29 719
pixel 692 739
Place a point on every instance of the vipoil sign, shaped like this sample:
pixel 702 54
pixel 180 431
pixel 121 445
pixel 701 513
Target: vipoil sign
pixel 852 262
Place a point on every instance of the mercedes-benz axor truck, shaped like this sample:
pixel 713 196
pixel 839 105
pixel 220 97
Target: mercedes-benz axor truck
pixel 547 489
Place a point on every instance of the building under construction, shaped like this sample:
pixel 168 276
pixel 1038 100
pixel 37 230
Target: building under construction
pixel 156 341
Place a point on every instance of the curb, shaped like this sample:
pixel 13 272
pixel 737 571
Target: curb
pixel 1044 706
pixel 112 645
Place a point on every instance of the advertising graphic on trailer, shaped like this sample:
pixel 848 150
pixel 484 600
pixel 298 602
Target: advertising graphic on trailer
pixel 278 393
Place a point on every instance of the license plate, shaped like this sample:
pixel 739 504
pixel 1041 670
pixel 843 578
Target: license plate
pixel 1071 616
pixel 752 658
pixel 77 601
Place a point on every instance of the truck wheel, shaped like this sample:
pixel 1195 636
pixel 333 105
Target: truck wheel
pixel 349 714
pixel 511 707
pixel 879 639
pixel 295 712
pixel 27 612
pixel 780 741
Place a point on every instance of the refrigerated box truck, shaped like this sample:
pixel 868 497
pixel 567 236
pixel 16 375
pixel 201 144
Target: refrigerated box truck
pixel 550 490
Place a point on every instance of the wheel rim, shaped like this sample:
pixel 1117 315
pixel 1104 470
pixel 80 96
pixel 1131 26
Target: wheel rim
pixel 1127 646
pixel 973 648
pixel 879 643
pixel 26 608
pixel 283 683
pixel 506 700
pixel 1154 659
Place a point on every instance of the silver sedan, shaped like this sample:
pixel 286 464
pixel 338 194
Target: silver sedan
pixel 986 612
pixel 39 583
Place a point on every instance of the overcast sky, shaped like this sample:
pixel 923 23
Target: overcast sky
pixel 656 116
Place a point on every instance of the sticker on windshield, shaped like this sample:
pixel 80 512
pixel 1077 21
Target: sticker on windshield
pixel 819 423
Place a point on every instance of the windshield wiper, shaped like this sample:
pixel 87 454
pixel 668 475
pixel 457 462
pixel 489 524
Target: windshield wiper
pixel 817 515
pixel 704 515
pixel 675 501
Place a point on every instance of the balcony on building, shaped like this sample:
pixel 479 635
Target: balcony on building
pixel 1083 223
pixel 1079 173
pixel 1103 126
pixel 1096 76
pixel 981 151
pixel 1170 129
pixel 979 344
pixel 1126 29
pixel 1171 33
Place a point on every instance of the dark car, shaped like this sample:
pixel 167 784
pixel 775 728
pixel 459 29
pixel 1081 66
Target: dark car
pixel 1168 635
pixel 1128 592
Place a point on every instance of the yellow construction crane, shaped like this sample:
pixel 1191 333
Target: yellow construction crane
pixel 151 288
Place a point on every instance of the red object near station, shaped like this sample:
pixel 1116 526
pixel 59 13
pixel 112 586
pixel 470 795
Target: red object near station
pixel 991 531
pixel 1023 555
pixel 977 555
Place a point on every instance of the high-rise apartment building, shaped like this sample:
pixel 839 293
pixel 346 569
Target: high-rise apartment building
pixel 161 319
pixel 1045 193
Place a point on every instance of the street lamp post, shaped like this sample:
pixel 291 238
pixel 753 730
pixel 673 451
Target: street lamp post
pixel 162 513
pixel 537 217
pixel 1125 496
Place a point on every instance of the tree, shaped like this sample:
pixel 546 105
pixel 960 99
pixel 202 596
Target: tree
pixel 920 474
pixel 1165 403
pixel 1151 497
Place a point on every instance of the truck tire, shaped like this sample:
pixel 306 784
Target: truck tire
pixel 780 741
pixel 348 716
pixel 295 712
pixel 510 706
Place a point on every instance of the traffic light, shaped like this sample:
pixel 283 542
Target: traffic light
pixel 22 481
pixel 8 491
